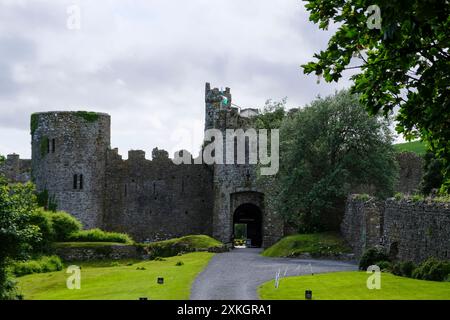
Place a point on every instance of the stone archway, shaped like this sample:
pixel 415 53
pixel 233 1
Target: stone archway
pixel 250 216
pixel 244 207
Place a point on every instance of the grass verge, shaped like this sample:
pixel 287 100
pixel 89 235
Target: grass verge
pixel 352 286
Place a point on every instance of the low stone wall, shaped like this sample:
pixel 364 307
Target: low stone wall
pixel 407 230
pixel 115 252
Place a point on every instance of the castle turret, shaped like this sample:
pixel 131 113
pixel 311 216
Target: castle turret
pixel 217 102
pixel 69 157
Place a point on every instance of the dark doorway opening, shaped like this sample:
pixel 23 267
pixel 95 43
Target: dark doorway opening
pixel 249 215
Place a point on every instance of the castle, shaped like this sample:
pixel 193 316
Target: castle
pixel 73 163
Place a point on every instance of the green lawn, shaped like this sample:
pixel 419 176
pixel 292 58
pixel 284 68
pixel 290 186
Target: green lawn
pixel 352 286
pixel 100 282
pixel 414 146
pixel 324 243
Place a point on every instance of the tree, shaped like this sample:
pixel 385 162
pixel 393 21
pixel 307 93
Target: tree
pixel 17 203
pixel 327 150
pixel 405 63
pixel 272 115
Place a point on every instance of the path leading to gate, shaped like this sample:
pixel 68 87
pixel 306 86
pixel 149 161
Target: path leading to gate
pixel 236 275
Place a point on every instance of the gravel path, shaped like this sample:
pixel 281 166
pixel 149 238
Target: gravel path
pixel 236 275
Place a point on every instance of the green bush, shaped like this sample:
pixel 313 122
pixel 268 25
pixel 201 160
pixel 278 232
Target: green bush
pixel 43 220
pixel 407 268
pixel 64 225
pixel 384 265
pixel 371 257
pixel 403 269
pixel 97 235
pixel 41 265
pixel 433 270
pixel 179 263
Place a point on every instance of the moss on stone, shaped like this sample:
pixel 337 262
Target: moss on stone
pixel 88 116
pixel 34 122
pixel 44 146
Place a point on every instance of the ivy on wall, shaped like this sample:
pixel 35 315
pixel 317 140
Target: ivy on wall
pixel 34 123
pixel 88 116
pixel 44 146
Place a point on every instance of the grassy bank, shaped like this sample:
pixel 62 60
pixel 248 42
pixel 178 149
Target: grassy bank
pixel 325 243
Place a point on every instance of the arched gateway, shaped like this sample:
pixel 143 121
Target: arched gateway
pixel 247 213
pixel 249 217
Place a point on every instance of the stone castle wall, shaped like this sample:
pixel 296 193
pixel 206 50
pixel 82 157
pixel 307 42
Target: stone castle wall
pixel 16 169
pixel 69 161
pixel 407 230
pixel 156 199
pixel 235 184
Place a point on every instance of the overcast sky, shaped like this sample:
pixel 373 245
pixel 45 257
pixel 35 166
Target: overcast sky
pixel 145 62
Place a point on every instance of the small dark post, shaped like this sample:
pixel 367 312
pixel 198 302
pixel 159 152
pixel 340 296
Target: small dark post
pixel 308 294
pixel 160 280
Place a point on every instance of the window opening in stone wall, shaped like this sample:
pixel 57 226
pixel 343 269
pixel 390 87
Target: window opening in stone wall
pixel 75 181
pixel 53 145
pixel 81 182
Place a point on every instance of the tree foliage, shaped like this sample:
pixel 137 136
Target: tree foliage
pixel 327 150
pixel 404 65
pixel 17 203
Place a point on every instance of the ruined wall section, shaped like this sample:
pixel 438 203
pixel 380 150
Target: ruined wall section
pixel 15 169
pixel 69 157
pixel 408 230
pixel 156 199
pixel 410 172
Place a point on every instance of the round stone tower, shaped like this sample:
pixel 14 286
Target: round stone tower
pixel 68 161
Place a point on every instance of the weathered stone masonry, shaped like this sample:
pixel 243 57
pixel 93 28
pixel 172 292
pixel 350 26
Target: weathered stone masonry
pixel 152 199
pixel 408 230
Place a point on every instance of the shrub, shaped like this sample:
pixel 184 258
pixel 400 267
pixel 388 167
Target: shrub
pixel 433 270
pixel 398 196
pixel 97 235
pixel 371 257
pixel 384 265
pixel 407 268
pixel 64 225
pixel 41 265
pixel 362 197
pixel 8 290
pixel 179 263
pixel 43 220
pixel 403 269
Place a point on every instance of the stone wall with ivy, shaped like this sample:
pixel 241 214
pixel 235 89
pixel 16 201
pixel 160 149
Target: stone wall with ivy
pixel 69 159
pixel 409 229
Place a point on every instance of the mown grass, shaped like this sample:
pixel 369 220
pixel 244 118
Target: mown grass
pixel 414 146
pixel 120 281
pixel 325 243
pixel 352 286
